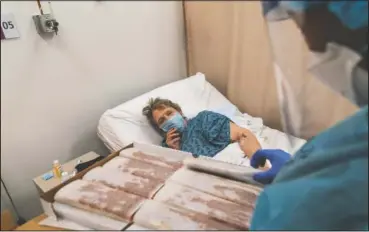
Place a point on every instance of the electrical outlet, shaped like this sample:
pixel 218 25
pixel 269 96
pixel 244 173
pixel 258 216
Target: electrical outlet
pixel 45 24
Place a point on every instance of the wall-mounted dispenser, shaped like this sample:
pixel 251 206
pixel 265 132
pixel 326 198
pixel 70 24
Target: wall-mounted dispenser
pixel 45 23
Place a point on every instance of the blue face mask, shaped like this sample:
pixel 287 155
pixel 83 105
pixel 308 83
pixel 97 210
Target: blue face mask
pixel 177 122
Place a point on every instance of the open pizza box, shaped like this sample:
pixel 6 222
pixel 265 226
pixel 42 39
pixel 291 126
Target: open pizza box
pixel 178 199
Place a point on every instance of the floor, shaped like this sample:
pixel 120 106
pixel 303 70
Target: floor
pixel 33 224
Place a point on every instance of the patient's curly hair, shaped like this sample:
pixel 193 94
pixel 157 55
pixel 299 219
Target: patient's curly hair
pixel 155 104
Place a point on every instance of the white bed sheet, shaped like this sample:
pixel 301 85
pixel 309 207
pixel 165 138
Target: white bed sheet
pixel 125 123
pixel 269 139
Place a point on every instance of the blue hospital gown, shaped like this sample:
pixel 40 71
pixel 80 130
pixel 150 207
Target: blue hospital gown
pixel 206 134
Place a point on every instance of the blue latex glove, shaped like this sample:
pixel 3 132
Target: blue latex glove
pixel 276 157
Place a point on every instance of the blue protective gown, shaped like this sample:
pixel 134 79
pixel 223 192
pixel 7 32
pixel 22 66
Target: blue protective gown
pixel 325 185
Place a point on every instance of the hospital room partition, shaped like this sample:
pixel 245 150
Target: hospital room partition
pixel 228 42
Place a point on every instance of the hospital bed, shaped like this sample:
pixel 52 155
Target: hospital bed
pixel 125 123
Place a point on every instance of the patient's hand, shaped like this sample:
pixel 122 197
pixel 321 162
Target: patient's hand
pixel 173 139
pixel 238 132
pixel 249 144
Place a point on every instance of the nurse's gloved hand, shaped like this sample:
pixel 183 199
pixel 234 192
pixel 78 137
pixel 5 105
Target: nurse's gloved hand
pixel 276 157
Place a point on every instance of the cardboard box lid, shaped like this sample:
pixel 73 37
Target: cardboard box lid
pixel 48 197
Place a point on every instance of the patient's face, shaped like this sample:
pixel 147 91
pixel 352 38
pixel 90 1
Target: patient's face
pixel 161 115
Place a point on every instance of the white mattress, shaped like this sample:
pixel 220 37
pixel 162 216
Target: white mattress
pixel 125 124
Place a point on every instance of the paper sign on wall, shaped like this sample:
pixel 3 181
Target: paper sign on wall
pixel 9 28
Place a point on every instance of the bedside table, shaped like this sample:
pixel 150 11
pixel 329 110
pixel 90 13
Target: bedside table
pixel 45 185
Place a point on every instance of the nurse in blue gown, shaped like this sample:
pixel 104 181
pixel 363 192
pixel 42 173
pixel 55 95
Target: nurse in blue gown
pixel 324 186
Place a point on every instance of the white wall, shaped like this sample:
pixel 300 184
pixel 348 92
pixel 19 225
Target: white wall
pixel 54 91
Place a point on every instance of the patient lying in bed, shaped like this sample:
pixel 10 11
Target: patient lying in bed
pixel 206 134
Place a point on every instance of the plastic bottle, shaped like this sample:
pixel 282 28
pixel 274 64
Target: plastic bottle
pixel 57 171
pixel 64 176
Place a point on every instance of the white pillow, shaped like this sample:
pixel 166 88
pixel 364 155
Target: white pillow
pixel 125 123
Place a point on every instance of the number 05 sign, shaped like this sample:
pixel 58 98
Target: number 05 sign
pixel 8 27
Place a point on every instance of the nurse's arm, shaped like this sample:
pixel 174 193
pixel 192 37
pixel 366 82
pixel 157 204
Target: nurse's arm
pixel 251 145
